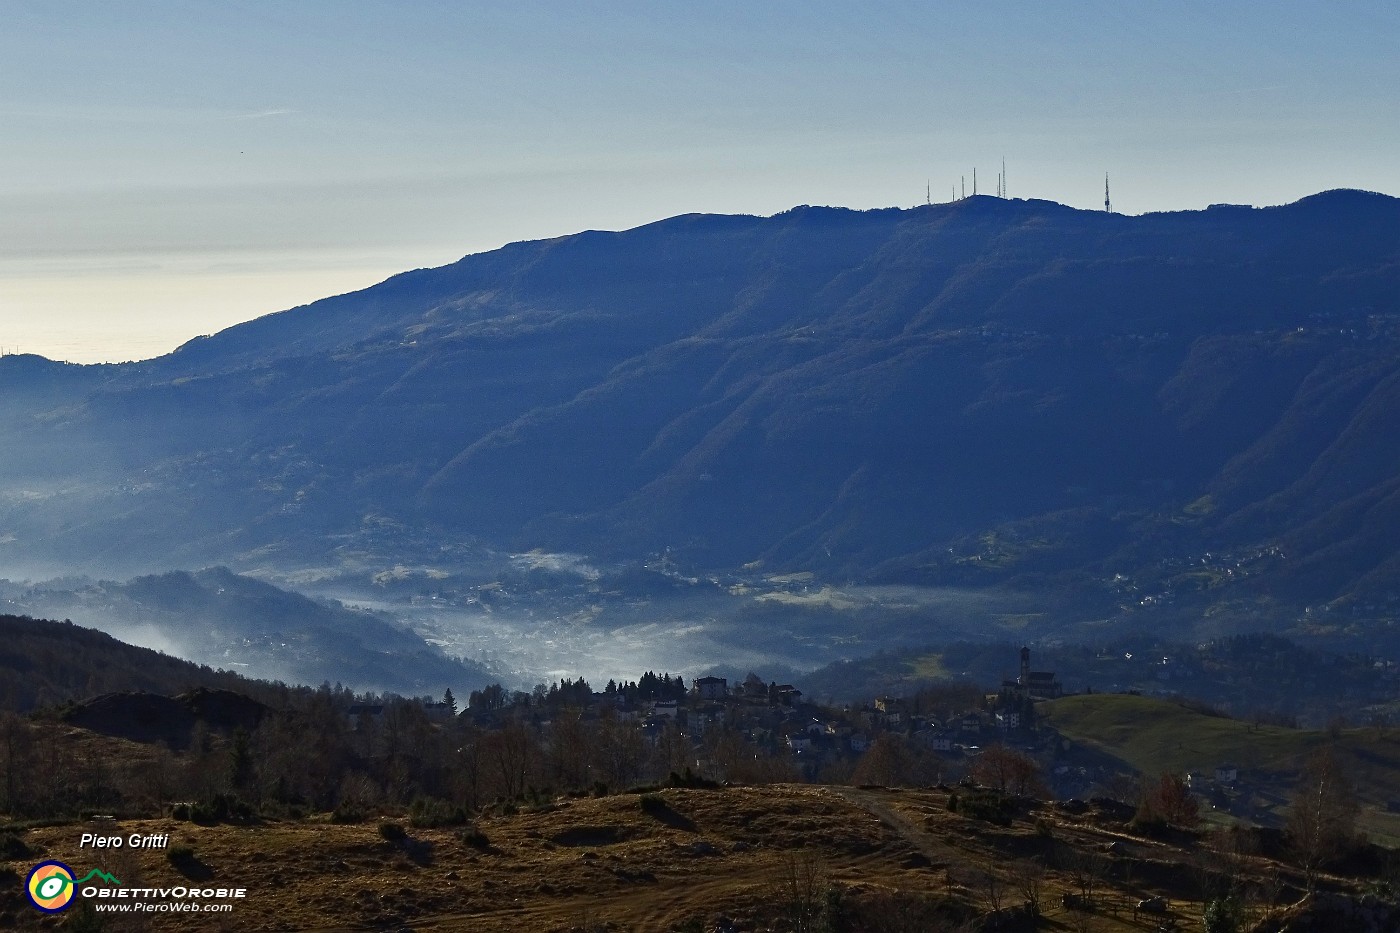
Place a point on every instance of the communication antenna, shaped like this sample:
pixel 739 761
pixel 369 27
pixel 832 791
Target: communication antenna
pixel 1003 176
pixel 1107 204
pixel 963 180
pixel 928 191
pixel 974 181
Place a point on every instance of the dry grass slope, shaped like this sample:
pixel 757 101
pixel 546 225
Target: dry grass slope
pixel 739 858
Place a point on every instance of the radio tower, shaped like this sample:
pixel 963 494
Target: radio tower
pixel 1107 204
pixel 1003 177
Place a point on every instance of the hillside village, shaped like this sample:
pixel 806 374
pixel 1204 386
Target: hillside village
pixel 936 799
pixel 721 731
pixel 375 750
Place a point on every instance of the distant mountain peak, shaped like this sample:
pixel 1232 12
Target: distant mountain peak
pixel 865 392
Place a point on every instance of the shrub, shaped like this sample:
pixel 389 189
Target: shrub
pixel 1148 822
pixel 345 813
pixel 473 836
pixel 430 813
pixel 1224 915
pixel 691 780
pixel 180 855
pixel 988 805
pixel 12 847
pixel 393 832
pixel 221 808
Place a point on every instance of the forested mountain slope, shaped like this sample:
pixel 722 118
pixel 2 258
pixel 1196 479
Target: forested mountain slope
pixel 983 391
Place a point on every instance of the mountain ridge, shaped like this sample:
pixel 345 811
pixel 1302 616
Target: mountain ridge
pixel 870 394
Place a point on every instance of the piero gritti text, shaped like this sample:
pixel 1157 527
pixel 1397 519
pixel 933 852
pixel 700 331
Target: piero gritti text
pixel 133 841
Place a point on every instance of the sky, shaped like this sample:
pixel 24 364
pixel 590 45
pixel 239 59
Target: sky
pixel 171 167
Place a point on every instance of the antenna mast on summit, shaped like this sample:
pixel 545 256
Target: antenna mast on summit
pixel 928 192
pixel 1003 177
pixel 1107 204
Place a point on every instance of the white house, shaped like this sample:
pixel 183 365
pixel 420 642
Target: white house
pixel 712 688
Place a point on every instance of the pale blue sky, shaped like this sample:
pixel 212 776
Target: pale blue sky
pixel 169 168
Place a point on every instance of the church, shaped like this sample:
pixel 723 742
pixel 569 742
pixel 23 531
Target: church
pixel 1040 685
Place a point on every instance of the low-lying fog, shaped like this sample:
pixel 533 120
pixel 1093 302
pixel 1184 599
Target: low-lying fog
pixel 575 620
pixel 520 619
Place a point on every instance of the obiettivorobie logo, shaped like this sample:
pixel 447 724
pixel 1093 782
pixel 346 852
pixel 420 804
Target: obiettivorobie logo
pixel 51 885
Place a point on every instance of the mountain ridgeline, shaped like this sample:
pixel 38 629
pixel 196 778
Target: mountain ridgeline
pixel 983 392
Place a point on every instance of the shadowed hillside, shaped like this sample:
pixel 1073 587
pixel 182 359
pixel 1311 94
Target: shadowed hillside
pixel 51 663
pixel 985 392
pixel 219 618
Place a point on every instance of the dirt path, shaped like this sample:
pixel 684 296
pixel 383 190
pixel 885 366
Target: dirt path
pixel 938 850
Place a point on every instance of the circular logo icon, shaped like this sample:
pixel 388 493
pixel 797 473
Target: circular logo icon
pixel 50 887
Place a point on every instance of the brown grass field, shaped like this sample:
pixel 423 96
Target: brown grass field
pixel 737 858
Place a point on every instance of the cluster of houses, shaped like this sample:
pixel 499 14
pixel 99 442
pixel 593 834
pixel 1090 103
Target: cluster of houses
pixel 776 719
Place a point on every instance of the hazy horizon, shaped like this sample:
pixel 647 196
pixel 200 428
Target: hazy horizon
pixel 175 171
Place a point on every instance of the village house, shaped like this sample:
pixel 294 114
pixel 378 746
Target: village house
pixel 711 688
pixel 784 694
pixel 438 711
pixel 368 711
pixel 940 740
pixel 1008 720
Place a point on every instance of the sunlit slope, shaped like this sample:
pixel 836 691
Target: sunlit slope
pixel 1155 736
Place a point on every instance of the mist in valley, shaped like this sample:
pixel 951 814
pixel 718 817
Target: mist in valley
pixel 516 619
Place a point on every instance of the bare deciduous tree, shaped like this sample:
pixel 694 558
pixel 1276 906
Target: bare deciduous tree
pixel 1028 878
pixel 1008 771
pixel 1322 821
